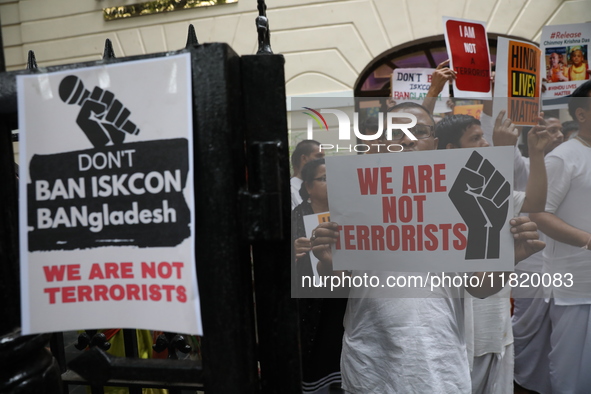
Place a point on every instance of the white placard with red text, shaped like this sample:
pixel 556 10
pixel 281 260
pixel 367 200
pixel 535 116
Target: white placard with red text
pixel 426 211
pixel 106 198
pixel 412 84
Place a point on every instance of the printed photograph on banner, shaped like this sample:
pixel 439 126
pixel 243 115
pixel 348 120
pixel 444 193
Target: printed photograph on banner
pixel 565 50
pixel 429 211
pixel 467 47
pixel 518 81
pixel 412 84
pixel 106 198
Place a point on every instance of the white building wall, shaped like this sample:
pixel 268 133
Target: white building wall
pixel 326 43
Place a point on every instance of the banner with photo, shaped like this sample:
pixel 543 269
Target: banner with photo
pixel 565 51
pixel 106 198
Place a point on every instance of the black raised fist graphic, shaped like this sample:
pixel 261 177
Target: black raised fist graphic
pixel 103 119
pixel 481 195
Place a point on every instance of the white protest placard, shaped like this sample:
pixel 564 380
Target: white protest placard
pixel 518 81
pixel 412 84
pixel 467 46
pixel 310 223
pixel 565 54
pixel 428 211
pixel 106 198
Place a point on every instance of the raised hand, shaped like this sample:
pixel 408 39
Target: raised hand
pixel 505 133
pixel 538 137
pixel 440 76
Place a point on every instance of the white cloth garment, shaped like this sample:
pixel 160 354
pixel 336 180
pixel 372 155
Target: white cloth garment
pixel 569 190
pixel 489 335
pixel 294 186
pixel 531 332
pixel 405 345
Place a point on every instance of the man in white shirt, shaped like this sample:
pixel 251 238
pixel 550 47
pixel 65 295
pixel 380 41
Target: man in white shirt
pixel 567 220
pixel 408 345
pixel 305 151
pixel 489 336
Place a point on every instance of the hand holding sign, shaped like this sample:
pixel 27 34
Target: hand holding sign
pixel 526 236
pixel 440 77
pixel 481 195
pixel 325 235
pixel 301 246
pixel 102 118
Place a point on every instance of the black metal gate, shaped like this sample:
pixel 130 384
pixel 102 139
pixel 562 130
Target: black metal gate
pixel 250 341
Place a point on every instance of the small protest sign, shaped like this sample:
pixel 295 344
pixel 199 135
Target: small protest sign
pixel 106 207
pixel 518 79
pixel 412 84
pixel 467 46
pixel 310 223
pixel 431 211
pixel 472 109
pixel 565 51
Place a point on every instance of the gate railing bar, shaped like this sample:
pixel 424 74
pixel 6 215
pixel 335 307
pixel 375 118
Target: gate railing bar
pixel 58 349
pixel 263 87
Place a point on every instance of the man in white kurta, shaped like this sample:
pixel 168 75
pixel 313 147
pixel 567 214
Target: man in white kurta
pixel 401 344
pixel 567 221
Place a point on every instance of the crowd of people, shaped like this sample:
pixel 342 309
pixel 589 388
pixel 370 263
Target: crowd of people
pixel 456 339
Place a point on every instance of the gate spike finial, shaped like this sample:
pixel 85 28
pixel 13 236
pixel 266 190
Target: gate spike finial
pixel 108 52
pixel 191 37
pixel 31 61
pixel 262 23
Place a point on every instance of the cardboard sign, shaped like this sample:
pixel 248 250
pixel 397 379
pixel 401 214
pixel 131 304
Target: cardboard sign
pixel 467 46
pixel 310 223
pixel 565 50
pixel 106 198
pixel 412 84
pixel 429 211
pixel 518 78
pixel 473 110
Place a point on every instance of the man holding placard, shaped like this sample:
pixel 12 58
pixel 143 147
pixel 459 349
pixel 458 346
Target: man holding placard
pixel 402 344
pixel 490 339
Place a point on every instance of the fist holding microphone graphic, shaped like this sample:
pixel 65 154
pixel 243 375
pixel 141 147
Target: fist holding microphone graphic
pixel 103 119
